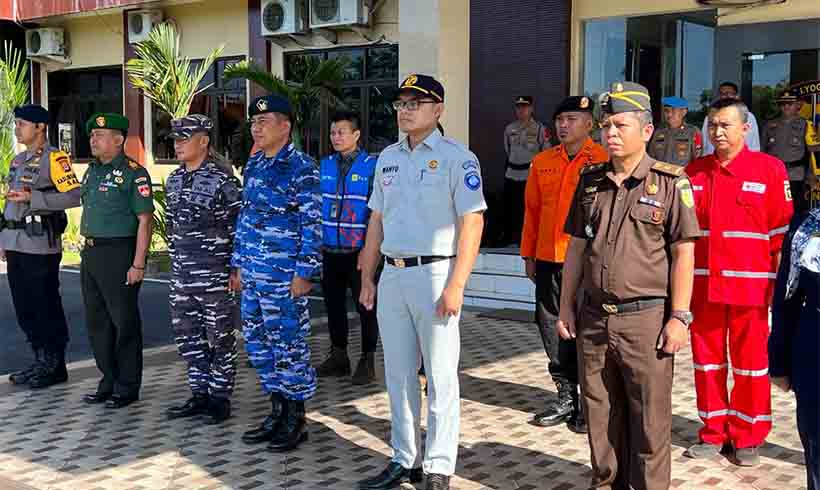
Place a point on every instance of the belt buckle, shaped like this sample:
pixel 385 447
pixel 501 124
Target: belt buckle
pixel 399 263
pixel 611 309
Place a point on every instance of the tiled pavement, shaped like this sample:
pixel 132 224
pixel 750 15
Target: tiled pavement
pixel 51 440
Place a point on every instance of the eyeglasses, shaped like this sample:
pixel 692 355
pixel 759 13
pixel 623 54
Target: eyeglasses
pixel 410 105
pixel 261 121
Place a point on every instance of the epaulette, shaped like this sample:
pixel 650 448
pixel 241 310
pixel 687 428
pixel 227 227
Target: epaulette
pixel 597 167
pixel 668 169
pixel 133 165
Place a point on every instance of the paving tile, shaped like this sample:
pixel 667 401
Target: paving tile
pixel 51 440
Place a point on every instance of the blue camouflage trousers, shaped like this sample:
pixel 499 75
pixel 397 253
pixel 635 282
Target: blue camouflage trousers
pixel 204 333
pixel 276 327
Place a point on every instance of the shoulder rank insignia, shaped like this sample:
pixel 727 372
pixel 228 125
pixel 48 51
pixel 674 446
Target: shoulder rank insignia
pixel 133 165
pixel 668 169
pixel 597 167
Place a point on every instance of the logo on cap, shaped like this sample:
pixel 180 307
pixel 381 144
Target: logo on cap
pixel 262 105
pixel 410 81
pixel 584 103
pixel 100 122
pixel 619 87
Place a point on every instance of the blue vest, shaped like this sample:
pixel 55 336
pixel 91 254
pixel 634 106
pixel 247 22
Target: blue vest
pixel 344 201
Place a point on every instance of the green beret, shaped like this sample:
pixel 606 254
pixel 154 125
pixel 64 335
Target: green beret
pixel 625 97
pixel 106 120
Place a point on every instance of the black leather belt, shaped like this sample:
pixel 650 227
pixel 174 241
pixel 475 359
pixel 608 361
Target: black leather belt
pixel 414 261
pixel 518 166
pixel 100 242
pixel 631 306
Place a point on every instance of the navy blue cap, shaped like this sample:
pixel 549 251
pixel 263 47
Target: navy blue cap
pixel 32 113
pixel 675 102
pixel 423 84
pixel 269 103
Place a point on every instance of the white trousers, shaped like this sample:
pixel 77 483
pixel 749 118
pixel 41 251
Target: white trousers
pixel 408 325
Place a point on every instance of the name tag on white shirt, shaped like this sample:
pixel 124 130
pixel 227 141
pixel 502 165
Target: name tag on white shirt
pixel 756 187
pixel 697 187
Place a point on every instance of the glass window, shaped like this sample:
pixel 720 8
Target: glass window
pixel 383 126
pixel 604 54
pixel 224 102
pixel 767 75
pixel 698 44
pixel 369 86
pixel 74 96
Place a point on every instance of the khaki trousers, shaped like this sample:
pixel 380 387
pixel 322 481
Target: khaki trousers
pixel 627 391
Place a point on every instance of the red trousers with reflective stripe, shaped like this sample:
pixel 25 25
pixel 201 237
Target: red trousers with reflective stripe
pixel 743 418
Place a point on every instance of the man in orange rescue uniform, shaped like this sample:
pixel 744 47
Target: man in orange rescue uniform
pixel 553 178
pixel 744 205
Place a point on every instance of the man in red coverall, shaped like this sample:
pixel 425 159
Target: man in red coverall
pixel 744 205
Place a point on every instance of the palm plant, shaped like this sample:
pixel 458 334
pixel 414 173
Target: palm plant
pixel 170 81
pixel 163 75
pixel 14 88
pixel 317 82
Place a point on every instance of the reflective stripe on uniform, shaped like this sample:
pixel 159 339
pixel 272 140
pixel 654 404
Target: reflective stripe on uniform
pixel 704 232
pixel 748 418
pixel 345 225
pixel 751 372
pixel 701 272
pixel 749 275
pixel 745 234
pixel 779 231
pixel 716 413
pixel 346 196
pixel 710 367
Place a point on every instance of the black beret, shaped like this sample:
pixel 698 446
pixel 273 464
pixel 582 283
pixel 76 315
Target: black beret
pixel 32 113
pixel 576 103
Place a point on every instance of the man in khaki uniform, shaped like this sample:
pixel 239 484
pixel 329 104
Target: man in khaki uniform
pixel 785 139
pixel 523 139
pixel 632 224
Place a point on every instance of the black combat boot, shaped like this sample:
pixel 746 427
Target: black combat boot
pixel 53 372
pixel 436 481
pixel 270 425
pixel 196 405
pixel 560 410
pixel 25 376
pixel 336 364
pixel 293 431
pixel 577 421
pixel 219 410
pixel 365 370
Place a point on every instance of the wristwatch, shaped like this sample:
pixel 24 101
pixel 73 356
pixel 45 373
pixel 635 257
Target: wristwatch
pixel 683 316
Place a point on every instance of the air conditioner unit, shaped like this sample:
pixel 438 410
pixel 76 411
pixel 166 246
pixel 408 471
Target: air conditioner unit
pixel 46 41
pixel 280 17
pixel 140 24
pixel 333 13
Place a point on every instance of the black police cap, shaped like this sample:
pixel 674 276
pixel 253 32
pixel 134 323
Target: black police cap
pixel 423 84
pixel 574 104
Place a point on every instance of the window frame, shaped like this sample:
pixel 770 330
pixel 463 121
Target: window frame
pixel 215 90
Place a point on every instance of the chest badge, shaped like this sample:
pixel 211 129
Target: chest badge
pixel 588 231
pixel 118 180
pixel 657 216
pixel 652 189
pixel 432 164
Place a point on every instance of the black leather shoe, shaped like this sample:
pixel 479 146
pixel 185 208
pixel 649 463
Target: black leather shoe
pixel 292 431
pixel 391 477
pixel 269 426
pixel 96 398
pixel 336 364
pixel 437 482
pixel 53 371
pixel 560 410
pixel 197 404
pixel 26 375
pixel 120 401
pixel 365 370
pixel 219 410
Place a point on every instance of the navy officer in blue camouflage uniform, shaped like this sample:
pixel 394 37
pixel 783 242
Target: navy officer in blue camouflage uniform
pixel 203 202
pixel 277 251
